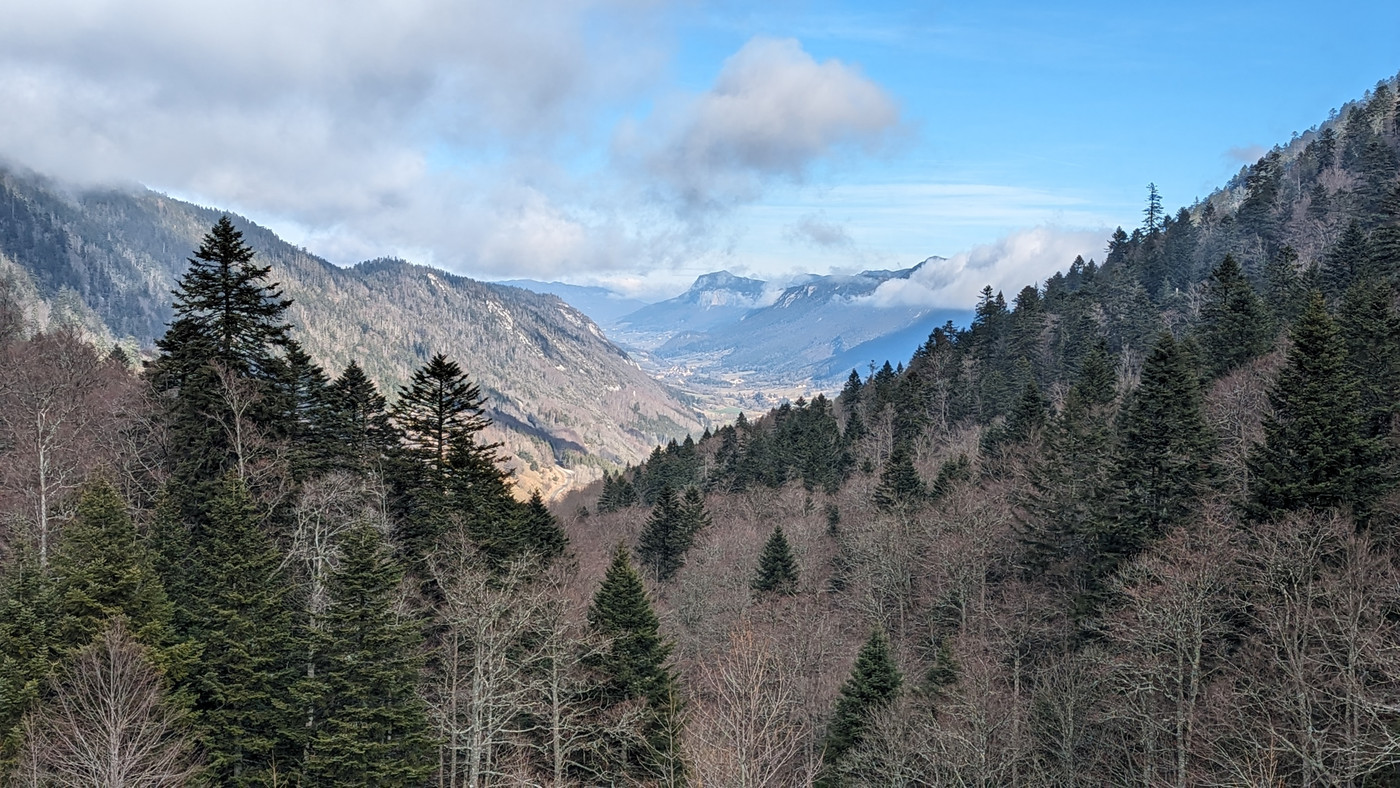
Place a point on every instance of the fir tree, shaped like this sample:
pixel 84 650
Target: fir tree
pixel 1315 454
pixel 1097 382
pixel 240 618
pixel 436 411
pixel 874 683
pixel 634 664
pixel 900 486
pixel 1164 449
pixel 666 537
pixel 540 533
pixel 1235 326
pixel 777 570
pixel 361 428
pixel 369 727
pixel 26 648
pixel 100 572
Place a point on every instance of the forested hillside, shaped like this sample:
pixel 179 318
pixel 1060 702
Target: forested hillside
pixel 1137 525
pixel 567 402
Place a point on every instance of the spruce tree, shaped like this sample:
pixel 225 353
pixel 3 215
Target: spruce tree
pixel 27 653
pixel 438 411
pixel 777 570
pixel 1315 454
pixel 229 332
pixel 101 571
pixel 241 619
pixel 1370 329
pixel 850 406
pixel 1235 325
pixel 365 437
pixel 1164 450
pixel 368 724
pixel 900 487
pixel 1097 382
pixel 874 682
pixel 540 531
pixel 634 663
pixel 666 537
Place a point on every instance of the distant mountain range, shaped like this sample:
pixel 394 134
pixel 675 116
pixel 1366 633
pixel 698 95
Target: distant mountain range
pixel 567 402
pixel 816 328
pixel 603 305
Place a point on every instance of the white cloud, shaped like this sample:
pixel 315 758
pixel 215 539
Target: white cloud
pixel 1016 260
pixel 814 229
pixel 772 112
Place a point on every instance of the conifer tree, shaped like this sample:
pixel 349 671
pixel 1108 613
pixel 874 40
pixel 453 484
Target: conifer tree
pixel 634 664
pixel 900 486
pixel 246 669
pixel 666 537
pixel 1027 417
pixel 309 427
pixel 850 406
pixel 437 411
pixel 874 682
pixel 1371 330
pixel 777 570
pixel 100 572
pixel 1235 325
pixel 1347 259
pixel 1097 382
pixel 26 648
pixel 1164 449
pixel 1314 454
pixel 540 533
pixel 361 428
pixel 368 725
pixel 229 330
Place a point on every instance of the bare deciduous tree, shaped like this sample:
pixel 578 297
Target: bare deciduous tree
pixel 107 724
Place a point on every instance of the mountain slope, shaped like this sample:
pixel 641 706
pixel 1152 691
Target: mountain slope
pixel 604 306
pixel 567 401
pixel 725 324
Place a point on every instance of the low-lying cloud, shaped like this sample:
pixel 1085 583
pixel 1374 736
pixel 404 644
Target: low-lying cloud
pixel 1020 258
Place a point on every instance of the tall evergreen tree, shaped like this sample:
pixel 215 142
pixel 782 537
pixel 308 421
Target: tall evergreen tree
pixel 240 617
pixel 437 411
pixel 540 533
pixel 1370 329
pixel 666 537
pixel 777 569
pixel 634 663
pixel 362 432
pixel 26 648
pixel 368 726
pixel 1235 325
pixel 900 487
pixel 1164 449
pixel 874 683
pixel 226 343
pixel 1315 454
pixel 101 571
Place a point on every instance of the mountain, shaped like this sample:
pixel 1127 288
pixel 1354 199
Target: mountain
pixel 817 327
pixel 602 305
pixel 567 402
pixel 716 299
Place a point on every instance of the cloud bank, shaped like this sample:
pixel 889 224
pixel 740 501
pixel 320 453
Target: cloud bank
pixel 1016 260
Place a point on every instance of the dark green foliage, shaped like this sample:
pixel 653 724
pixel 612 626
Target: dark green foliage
pixel 26 648
pixel 618 492
pixel 540 533
pixel 1284 289
pixel 1371 330
pixel 1315 454
pixel 900 487
pixel 952 471
pixel 1235 325
pixel 310 423
pixel 851 407
pixel 677 466
pixel 240 617
pixel 633 665
pixel 670 531
pixel 1028 417
pixel 225 345
pixel 439 411
pixel 1345 261
pixel 363 435
pixel 1164 450
pixel 777 569
pixel 367 723
pixel 101 571
pixel 874 683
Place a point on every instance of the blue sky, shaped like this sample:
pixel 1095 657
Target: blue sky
pixel 638 143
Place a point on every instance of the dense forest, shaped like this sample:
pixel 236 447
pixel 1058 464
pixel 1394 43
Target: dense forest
pixel 1139 526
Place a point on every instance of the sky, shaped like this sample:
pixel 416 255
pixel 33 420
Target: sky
pixel 639 143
